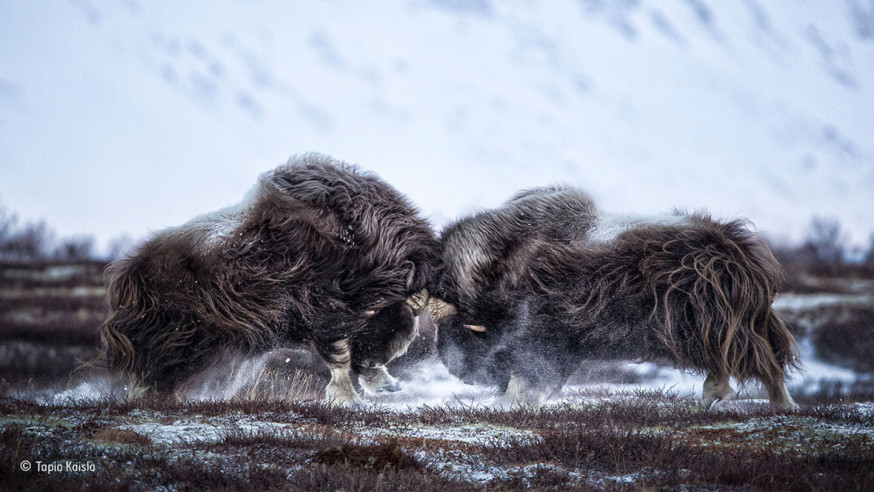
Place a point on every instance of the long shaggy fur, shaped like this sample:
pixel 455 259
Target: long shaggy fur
pixel 493 246
pixel 319 251
pixel 690 289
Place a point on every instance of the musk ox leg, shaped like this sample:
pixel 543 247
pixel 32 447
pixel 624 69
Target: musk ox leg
pixel 716 388
pixel 779 395
pixel 525 388
pixel 337 356
pixel 377 380
pixel 538 371
pixel 521 391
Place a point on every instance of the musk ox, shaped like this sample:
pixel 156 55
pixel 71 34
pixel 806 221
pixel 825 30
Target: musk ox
pixel 318 251
pixel 531 288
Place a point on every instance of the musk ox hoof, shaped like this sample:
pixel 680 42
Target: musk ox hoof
pixel 520 393
pixel 377 380
pixel 716 389
pixel 343 400
pixel 509 401
pixel 338 395
pixel 789 406
pixel 709 402
pixel 506 402
pixel 391 388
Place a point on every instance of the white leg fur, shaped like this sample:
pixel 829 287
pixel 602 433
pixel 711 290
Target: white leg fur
pixel 520 393
pixel 340 390
pixel 716 388
pixel 780 397
pixel 377 380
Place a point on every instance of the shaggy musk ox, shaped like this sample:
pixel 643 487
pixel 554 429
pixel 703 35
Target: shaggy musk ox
pixel 531 288
pixel 318 251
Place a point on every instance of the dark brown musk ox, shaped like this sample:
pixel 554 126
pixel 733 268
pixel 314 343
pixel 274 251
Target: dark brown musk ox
pixel 530 289
pixel 318 251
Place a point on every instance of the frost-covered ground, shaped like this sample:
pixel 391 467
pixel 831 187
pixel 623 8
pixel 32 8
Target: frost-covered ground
pixel 438 433
pixel 588 438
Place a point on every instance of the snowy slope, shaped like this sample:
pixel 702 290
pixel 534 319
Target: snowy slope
pixel 132 116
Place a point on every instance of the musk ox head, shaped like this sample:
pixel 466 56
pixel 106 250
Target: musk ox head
pixel 471 353
pixel 484 257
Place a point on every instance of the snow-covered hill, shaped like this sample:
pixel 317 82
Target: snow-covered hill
pixel 130 116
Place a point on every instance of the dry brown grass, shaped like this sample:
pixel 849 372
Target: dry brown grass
pixel 120 436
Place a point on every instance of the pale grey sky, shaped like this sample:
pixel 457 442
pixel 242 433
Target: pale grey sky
pixel 126 117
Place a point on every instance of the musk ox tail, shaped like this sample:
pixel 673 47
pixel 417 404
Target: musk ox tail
pixel 117 352
pixel 144 340
pixel 714 285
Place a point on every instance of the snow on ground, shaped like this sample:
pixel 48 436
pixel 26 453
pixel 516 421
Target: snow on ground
pixel 805 302
pixel 93 389
pixel 483 434
pixel 429 384
pixel 178 432
pixel 201 430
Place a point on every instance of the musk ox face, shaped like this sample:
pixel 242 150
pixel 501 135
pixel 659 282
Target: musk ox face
pixel 396 326
pixel 687 288
pixel 471 352
pixel 483 257
pixel 318 251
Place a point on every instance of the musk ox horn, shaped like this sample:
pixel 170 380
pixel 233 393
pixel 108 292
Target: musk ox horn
pixel 478 328
pixel 418 301
pixel 439 309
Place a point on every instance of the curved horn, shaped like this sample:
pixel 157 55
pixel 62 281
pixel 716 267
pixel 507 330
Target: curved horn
pixel 439 309
pixel 418 301
pixel 477 328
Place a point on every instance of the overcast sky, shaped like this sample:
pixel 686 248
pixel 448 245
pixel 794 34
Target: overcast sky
pixel 128 117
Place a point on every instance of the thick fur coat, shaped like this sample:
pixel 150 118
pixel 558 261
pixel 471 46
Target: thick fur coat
pixel 318 251
pixel 521 302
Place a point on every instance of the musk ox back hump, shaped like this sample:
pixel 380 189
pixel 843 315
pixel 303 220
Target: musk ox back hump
pixel 367 215
pixel 554 213
pixel 494 244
